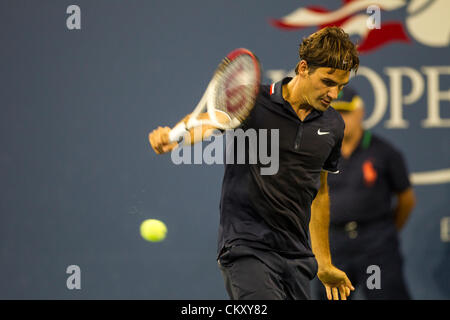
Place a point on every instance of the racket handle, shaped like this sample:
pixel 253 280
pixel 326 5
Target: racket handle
pixel 177 132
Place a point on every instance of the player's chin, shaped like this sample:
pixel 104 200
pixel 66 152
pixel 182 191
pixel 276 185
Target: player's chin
pixel 322 106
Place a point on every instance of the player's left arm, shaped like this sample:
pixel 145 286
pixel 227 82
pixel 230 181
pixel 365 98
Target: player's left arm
pixel 332 278
pixel 159 138
pixel 320 222
pixel 406 201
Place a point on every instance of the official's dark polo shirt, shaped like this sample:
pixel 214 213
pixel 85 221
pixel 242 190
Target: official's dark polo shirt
pixel 361 196
pixel 273 211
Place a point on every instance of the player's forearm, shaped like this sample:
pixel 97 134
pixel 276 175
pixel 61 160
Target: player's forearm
pixel 199 133
pixel 319 226
pixel 319 234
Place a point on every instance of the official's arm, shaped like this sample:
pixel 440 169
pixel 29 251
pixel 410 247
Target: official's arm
pixel 406 200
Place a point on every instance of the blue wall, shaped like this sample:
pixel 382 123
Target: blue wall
pixel 77 175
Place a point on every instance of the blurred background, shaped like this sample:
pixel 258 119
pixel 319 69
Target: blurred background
pixel 77 174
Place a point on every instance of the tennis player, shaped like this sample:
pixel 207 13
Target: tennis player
pixel 273 233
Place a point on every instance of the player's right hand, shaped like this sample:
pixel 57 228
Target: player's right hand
pixel 159 140
pixel 334 281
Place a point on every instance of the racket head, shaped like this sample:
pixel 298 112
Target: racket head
pixel 235 87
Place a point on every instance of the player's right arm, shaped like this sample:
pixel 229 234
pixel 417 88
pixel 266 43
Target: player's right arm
pixel 159 138
pixel 334 280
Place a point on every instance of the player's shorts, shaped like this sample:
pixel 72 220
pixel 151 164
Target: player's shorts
pixel 254 274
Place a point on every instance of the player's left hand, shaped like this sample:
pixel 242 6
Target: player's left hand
pixel 336 283
pixel 159 140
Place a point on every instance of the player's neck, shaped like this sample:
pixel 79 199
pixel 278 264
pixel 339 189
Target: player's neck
pixel 351 142
pixel 292 93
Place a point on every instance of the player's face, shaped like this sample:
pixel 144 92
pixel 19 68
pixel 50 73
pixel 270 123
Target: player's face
pixel 323 86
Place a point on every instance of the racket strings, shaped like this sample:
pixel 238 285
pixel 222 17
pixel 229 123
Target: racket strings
pixel 236 88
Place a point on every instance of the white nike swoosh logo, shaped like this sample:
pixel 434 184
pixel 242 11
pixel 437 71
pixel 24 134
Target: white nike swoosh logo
pixel 321 133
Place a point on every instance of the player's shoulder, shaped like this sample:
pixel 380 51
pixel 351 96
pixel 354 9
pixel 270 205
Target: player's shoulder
pixel 263 98
pixel 264 91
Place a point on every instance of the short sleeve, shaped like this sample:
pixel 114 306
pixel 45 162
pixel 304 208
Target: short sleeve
pixel 332 162
pixel 397 171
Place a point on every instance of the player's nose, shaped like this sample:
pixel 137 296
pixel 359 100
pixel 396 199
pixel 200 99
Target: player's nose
pixel 333 93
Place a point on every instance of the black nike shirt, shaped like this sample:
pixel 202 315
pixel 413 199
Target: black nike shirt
pixel 272 211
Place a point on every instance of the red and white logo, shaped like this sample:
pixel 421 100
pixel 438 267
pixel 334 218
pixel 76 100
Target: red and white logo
pixel 427 22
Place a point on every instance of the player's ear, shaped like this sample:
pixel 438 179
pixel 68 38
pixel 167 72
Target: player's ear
pixel 302 68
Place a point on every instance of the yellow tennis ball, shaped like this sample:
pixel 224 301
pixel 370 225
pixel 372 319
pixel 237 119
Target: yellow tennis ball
pixel 153 230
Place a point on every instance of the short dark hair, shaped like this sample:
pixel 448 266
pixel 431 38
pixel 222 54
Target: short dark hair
pixel 329 47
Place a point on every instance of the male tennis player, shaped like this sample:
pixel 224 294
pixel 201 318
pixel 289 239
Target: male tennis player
pixel 273 234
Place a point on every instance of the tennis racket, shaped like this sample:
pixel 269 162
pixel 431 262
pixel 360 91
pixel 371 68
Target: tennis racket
pixel 232 90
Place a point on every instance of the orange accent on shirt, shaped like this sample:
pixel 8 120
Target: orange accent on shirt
pixel 369 173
